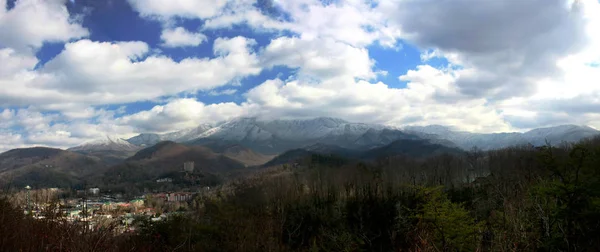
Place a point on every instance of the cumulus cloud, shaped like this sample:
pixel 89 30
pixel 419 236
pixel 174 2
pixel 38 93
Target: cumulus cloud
pixel 180 114
pixel 94 73
pixel 55 129
pixel 180 37
pixel 357 23
pixel 363 101
pixel 504 46
pixel 10 141
pixel 321 58
pixel 12 63
pixel 30 23
pixel 178 8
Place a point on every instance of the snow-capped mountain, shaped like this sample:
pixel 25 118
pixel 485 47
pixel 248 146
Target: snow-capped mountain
pixel 106 143
pixel 149 139
pixel 252 129
pixel 536 137
pixel 558 134
pixel 110 149
pixel 278 136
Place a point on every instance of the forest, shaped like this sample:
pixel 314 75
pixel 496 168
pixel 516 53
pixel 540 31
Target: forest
pixel 522 198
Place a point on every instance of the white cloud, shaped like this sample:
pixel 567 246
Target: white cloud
pixel 353 22
pixel 322 58
pixel 245 14
pixel 229 91
pixel 30 23
pixel 10 140
pixel 357 23
pixel 11 63
pixel 180 114
pixel 180 37
pixel 376 102
pixel 55 129
pixel 178 8
pixel 95 73
pixel 503 48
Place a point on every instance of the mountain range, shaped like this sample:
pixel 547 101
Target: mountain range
pixel 537 137
pixel 272 137
pixel 236 144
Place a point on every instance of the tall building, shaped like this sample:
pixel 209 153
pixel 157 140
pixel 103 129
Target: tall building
pixel 188 167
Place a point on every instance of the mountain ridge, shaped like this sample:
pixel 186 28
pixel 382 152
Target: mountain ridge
pixel 273 137
pixel 488 141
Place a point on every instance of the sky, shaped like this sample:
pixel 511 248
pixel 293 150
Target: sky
pixel 77 70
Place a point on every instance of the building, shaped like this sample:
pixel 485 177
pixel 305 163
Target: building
pixel 188 167
pixel 179 196
pixel 94 191
pixel 165 180
pixel 137 203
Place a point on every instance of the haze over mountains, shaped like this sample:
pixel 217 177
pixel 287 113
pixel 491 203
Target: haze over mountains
pixel 536 137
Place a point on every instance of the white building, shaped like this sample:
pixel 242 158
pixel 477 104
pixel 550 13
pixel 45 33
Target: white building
pixel 188 167
pixel 95 190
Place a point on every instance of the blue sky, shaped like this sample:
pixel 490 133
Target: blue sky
pixel 109 21
pixel 72 71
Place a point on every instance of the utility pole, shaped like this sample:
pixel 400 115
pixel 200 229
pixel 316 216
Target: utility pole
pixel 85 208
pixel 28 188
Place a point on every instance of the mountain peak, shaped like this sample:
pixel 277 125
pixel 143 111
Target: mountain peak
pixel 564 127
pixel 431 129
pixel 106 143
pixel 107 140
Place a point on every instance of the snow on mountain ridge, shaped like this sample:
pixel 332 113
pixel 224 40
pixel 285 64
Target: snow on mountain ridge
pixel 280 134
pixel 106 143
pixel 149 139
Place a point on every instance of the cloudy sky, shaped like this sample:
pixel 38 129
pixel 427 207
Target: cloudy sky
pixel 72 71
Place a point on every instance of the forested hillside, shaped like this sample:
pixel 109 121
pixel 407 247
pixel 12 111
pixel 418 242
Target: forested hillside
pixel 514 199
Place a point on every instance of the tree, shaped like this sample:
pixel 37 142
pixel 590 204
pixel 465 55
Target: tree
pixel 451 225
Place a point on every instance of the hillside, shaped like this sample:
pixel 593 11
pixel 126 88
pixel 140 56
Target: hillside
pixel 47 167
pixel 412 148
pixel 245 155
pixel 167 158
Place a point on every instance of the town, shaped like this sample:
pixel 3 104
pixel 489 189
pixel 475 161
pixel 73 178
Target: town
pixel 96 209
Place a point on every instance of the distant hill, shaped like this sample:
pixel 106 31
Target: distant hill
pixel 288 157
pixel 47 167
pixel 166 158
pixel 246 155
pixel 537 137
pixel 414 148
pixel 410 148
